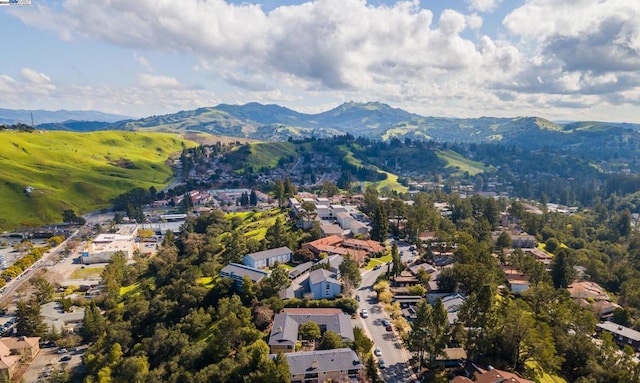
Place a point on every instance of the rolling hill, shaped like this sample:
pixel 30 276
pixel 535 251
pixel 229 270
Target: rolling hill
pixel 372 120
pixel 14 116
pixel 41 174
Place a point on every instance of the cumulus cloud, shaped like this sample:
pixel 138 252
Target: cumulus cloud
pixel 483 5
pixel 556 52
pixel 155 81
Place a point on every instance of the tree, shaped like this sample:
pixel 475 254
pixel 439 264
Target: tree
pixel 350 273
pixel 69 216
pixel 562 271
pixel 503 241
pixel 29 322
pixel 438 331
pixel 308 212
pixel 93 324
pixel 276 234
pixel 329 188
pixel 330 341
pixel 379 224
pixel 303 255
pixel 310 331
pixel 44 290
pixel 278 370
pixel 253 198
pixel 419 333
pixel 361 342
pixel 396 260
pixel 278 280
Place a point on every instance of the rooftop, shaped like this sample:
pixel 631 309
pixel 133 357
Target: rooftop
pixel 235 269
pixel 340 359
pixel 286 323
pixel 620 330
pixel 321 275
pixel 266 254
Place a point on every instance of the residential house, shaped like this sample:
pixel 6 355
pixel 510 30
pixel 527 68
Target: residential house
pixel 284 333
pixel 334 245
pixel 267 258
pixel 453 356
pixel 8 363
pixel 26 347
pixel 592 295
pixel 518 282
pixel 237 272
pixel 540 255
pixel 334 262
pixel 452 305
pixel 490 375
pixel 370 246
pixel 338 365
pixel 300 269
pixel 329 229
pixel 621 335
pixel 324 284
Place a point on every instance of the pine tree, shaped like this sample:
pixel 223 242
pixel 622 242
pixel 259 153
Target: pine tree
pixel 379 224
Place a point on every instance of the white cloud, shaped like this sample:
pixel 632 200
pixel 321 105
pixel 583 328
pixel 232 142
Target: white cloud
pixel 155 81
pixel 143 62
pixel 581 50
pixel 483 5
pixel 35 77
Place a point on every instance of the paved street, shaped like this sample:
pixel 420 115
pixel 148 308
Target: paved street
pixel 394 355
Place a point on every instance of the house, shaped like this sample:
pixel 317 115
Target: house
pixel 54 316
pixel 237 272
pixel 334 262
pixel 334 245
pixel 8 363
pixel 338 365
pixel 329 229
pixel 453 356
pixel 324 284
pixel 452 305
pixel 26 347
pixel 300 269
pixel 540 255
pixel 518 282
pixel 405 279
pixel 490 375
pixel 284 333
pixel 621 335
pixel 267 258
pixel 369 246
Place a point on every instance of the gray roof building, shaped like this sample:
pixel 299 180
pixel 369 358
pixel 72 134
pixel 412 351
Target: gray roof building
pixel 285 325
pixel 322 275
pixel 237 272
pixel 620 331
pixel 324 361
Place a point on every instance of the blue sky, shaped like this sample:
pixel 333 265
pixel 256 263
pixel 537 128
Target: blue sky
pixel 557 59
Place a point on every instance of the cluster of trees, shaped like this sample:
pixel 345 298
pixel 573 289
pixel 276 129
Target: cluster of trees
pixel 174 327
pixel 34 253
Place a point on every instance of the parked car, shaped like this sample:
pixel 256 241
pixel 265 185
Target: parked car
pixel 389 328
pixel 62 351
pixel 382 364
pixel 386 322
pixel 376 267
pixel 364 313
pixel 65 358
pixel 377 351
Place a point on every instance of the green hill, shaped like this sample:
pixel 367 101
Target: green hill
pixel 43 173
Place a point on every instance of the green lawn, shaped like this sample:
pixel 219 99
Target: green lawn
pixel 378 261
pixel 455 160
pixel 546 378
pixel 87 273
pixel 80 171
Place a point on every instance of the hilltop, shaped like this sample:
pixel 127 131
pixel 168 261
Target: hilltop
pixel 378 121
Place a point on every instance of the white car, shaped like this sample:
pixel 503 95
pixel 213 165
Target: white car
pixel 364 313
pixel 377 351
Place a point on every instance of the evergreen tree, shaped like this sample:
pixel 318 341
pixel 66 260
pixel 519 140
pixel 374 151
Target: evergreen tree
pixel 93 324
pixel 253 198
pixel 562 271
pixel 396 260
pixel 276 235
pixel 379 224
pixel 350 273
pixel 29 322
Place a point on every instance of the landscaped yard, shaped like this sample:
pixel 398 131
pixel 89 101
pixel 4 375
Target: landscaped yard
pixel 378 261
pixel 88 273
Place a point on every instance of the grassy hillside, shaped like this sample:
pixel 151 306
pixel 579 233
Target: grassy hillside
pixel 455 160
pixel 80 171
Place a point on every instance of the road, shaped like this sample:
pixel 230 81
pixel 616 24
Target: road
pixel 393 352
pixel 13 285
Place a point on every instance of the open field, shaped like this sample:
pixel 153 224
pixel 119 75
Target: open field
pixel 455 160
pixel 44 173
